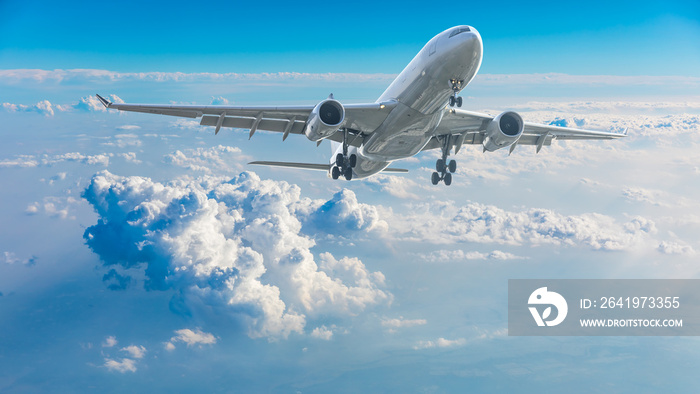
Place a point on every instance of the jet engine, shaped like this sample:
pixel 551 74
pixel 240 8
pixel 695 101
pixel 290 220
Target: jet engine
pixel 504 130
pixel 325 119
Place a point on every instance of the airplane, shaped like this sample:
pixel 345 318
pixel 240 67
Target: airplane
pixel 419 111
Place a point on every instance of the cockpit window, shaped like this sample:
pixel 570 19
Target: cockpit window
pixel 458 31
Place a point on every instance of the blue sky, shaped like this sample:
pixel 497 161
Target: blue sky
pixel 598 37
pixel 283 280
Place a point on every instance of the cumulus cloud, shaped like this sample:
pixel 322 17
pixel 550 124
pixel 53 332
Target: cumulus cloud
pixel 474 222
pixel 440 343
pixel 323 332
pixel 56 207
pixel 123 140
pixel 110 341
pixel 195 337
pixel 43 107
pixel 675 248
pixel 342 214
pixel 90 104
pixel 129 157
pixel 123 366
pixel 213 241
pixel 218 100
pixel 219 158
pixel 135 351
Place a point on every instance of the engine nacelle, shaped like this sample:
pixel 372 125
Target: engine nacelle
pixel 504 130
pixel 325 119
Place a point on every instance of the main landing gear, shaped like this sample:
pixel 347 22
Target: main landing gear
pixel 444 168
pixel 344 163
pixel 456 85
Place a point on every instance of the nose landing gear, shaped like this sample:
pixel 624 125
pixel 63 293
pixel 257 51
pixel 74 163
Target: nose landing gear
pixel 456 85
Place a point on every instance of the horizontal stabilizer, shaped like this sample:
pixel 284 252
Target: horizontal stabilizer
pixel 390 169
pixel 305 166
pixel 311 166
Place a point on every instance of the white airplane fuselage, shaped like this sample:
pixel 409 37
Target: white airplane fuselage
pixel 422 91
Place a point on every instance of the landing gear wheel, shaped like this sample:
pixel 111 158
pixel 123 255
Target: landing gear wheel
pixel 452 166
pixel 440 165
pixel 447 179
pixel 348 173
pixel 452 101
pixel 435 178
pixel 353 160
pixel 459 101
pixel 340 160
pixel 335 173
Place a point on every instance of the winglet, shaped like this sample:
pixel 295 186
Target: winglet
pixel 104 101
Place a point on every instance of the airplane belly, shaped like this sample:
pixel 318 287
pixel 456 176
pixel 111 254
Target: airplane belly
pixel 404 133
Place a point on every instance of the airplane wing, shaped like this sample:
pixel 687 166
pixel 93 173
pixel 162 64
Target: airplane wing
pixel 363 118
pixel 469 128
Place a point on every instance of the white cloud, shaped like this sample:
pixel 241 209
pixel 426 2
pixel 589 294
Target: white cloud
pixel 90 104
pixel 28 161
pixel 123 366
pixel 342 215
pixel 187 124
pixel 460 255
pixel 87 75
pixel 392 325
pixel 675 248
pixel 474 222
pixel 584 80
pixel 123 140
pixel 129 157
pixel 135 351
pixel 110 341
pixel 440 343
pixel 217 159
pixel 397 186
pixel 99 159
pixel 128 127
pixel 214 240
pixel 218 100
pixel 191 338
pixel 43 107
pixel 57 207
pixel 323 332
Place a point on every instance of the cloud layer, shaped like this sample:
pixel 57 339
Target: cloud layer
pixel 481 223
